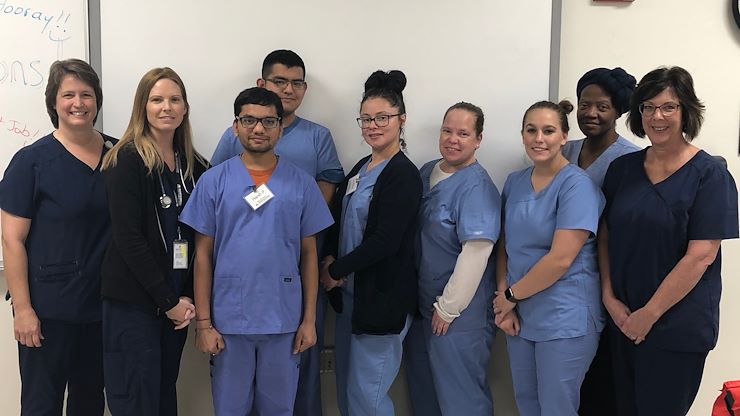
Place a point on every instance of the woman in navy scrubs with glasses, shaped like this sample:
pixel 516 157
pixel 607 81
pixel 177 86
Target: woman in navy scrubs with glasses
pixel 668 208
pixel 147 274
pixel 55 229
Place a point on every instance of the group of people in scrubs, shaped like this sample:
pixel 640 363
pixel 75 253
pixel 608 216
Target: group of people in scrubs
pixel 600 261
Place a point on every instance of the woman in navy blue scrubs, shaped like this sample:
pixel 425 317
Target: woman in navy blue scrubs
pixel 147 274
pixel 668 208
pixel 55 228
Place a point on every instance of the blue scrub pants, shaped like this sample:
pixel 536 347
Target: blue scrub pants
pixel 422 394
pixel 255 370
pixel 547 375
pixel 653 381
pixel 70 357
pixel 459 361
pixel 374 361
pixel 342 341
pixel 308 396
pixel 141 357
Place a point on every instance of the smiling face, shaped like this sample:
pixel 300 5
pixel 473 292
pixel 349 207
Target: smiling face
pixel 659 128
pixel 542 135
pixel 75 104
pixel 290 96
pixel 458 139
pixel 596 115
pixel 382 138
pixel 165 107
pixel 257 139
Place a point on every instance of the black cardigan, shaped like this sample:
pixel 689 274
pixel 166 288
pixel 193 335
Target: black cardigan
pixel 385 278
pixel 136 264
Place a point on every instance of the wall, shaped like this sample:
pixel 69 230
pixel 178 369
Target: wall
pixel 701 37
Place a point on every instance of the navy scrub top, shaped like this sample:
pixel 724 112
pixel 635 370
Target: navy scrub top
pixel 70 227
pixel 650 226
pixel 170 225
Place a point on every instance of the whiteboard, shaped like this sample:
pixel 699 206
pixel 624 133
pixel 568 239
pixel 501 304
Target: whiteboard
pixel 495 54
pixel 33 34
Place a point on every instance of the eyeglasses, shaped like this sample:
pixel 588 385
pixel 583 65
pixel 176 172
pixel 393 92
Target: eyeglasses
pixel 297 84
pixel 666 109
pixel 249 122
pixel 380 120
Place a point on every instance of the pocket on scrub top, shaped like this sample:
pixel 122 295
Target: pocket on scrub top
pixel 57 271
pixel 227 298
pixel 288 217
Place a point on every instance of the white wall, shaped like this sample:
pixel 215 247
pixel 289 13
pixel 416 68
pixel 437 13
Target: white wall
pixel 701 37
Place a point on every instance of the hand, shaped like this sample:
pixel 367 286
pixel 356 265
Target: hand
pixel 208 340
pixel 27 327
pixel 182 313
pixel 324 277
pixel 638 324
pixel 439 325
pixel 509 323
pixel 305 337
pixel 501 306
pixel 617 310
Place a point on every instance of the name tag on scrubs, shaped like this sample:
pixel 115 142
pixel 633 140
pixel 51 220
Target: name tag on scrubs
pixel 179 254
pixel 259 197
pixel 352 184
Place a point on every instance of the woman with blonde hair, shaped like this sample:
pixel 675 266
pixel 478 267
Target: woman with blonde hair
pixel 147 275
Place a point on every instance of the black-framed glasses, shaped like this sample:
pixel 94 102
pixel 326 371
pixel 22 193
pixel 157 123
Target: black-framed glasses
pixel 249 122
pixel 297 84
pixel 381 120
pixel 666 109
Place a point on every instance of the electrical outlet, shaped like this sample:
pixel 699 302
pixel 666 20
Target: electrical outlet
pixel 328 363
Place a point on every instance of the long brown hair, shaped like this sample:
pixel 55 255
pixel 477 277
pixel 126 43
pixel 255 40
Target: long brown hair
pixel 139 133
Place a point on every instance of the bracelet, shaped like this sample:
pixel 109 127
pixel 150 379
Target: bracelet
pixel 207 327
pixel 202 319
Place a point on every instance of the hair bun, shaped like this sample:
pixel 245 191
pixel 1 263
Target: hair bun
pixel 566 106
pixel 394 80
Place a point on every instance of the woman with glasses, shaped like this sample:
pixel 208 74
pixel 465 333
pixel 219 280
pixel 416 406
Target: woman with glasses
pixel 668 208
pixel 370 264
pixel 459 222
pixel 548 300
pixel 603 96
pixel 55 227
pixel 147 274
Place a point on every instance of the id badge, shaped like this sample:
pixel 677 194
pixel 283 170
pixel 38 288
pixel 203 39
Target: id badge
pixel 352 184
pixel 259 197
pixel 179 254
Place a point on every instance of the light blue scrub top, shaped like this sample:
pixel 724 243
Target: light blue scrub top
pixel 304 143
pixel 256 256
pixel 597 169
pixel 355 207
pixel 571 307
pixel 465 206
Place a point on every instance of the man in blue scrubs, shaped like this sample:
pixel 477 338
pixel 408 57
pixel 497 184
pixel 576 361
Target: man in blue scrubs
pixel 310 147
pixel 256 271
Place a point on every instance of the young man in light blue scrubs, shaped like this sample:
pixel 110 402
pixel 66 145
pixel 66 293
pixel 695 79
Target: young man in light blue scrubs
pixel 256 270
pixel 310 147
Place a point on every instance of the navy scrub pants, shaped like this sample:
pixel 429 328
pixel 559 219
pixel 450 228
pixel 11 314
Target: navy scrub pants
pixel 653 381
pixel 71 358
pixel 141 357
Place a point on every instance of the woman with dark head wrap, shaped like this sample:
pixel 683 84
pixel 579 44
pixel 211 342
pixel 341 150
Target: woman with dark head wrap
pixel 603 96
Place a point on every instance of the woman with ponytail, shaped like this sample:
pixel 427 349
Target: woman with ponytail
pixel 369 261
pixel 549 300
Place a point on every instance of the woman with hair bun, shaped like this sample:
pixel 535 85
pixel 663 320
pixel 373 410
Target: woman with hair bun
pixel 603 96
pixel 549 300
pixel 369 263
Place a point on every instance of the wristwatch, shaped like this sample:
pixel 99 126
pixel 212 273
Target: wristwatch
pixel 510 295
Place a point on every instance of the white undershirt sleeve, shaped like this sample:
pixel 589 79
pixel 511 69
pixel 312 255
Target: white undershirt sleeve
pixel 469 268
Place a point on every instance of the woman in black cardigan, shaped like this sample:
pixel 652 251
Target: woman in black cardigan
pixel 369 268
pixel 147 270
